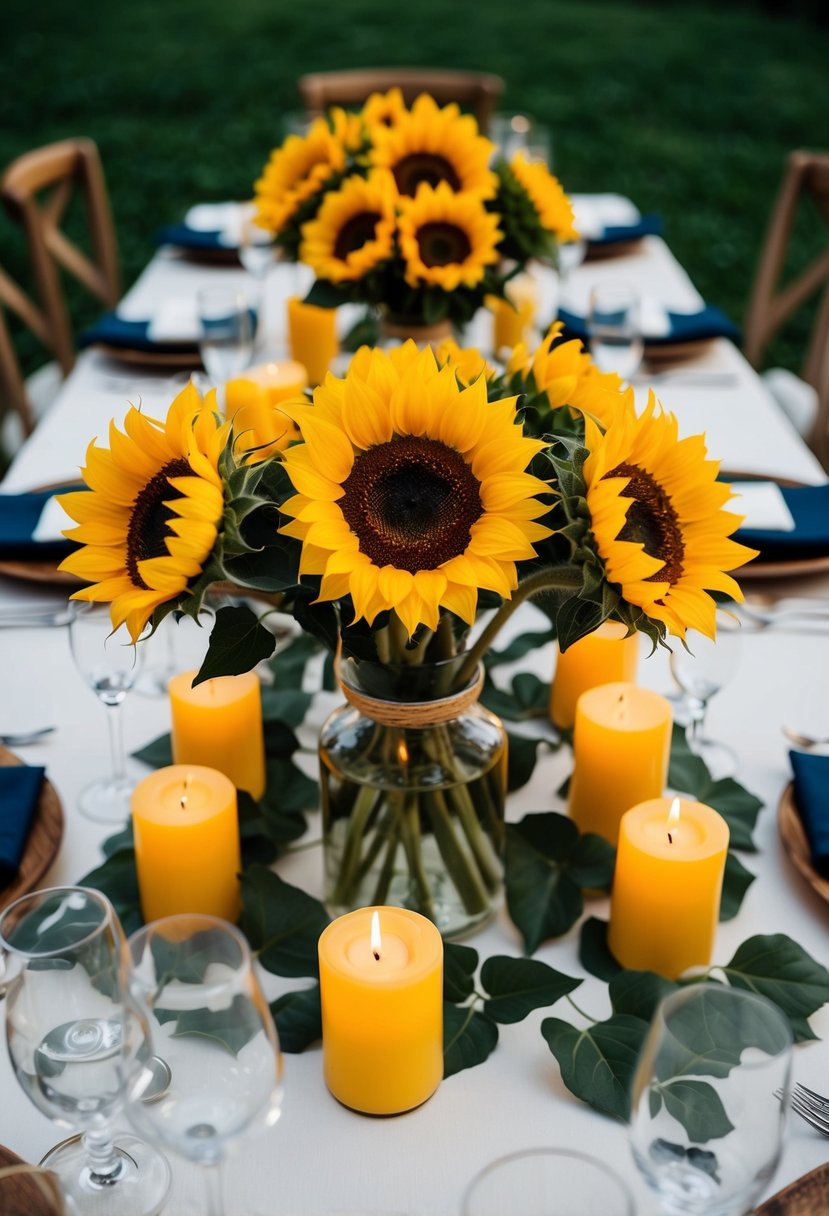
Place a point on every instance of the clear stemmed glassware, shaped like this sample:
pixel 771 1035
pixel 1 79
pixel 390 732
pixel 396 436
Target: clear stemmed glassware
pixel 547 1182
pixel 701 670
pixel 710 1097
pixel 74 1042
pixel 193 978
pixel 614 329
pixel 257 248
pixel 110 664
pixel 227 332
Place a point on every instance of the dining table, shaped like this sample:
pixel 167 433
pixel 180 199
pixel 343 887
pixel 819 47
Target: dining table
pixel 321 1157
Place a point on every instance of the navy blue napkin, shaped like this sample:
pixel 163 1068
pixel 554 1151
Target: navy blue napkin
pixel 191 238
pixel 19 515
pixel 113 330
pixel 19 793
pixel 709 322
pixel 809 506
pixel 811 795
pixel 647 225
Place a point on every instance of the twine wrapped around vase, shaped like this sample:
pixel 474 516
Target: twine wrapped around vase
pixel 414 714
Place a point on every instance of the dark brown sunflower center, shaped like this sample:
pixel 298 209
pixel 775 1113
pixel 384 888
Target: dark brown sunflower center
pixel 355 233
pixel 653 522
pixel 411 503
pixel 148 531
pixel 427 167
pixel 440 244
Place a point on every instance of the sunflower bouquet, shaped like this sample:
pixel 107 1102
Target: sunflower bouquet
pixel 405 209
pixel 386 513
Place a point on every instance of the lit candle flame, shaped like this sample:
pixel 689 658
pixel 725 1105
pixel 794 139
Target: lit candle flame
pixel 673 818
pixel 376 939
pixel 402 752
pixel 186 790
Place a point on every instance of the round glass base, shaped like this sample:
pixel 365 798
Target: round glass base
pixel 139 1189
pixel 107 801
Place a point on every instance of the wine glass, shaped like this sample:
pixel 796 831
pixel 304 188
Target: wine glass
pixel 701 668
pixel 614 329
pixel 257 248
pixel 709 1102
pixel 227 331
pixel 547 1182
pixel 193 978
pixel 110 663
pixel 74 1041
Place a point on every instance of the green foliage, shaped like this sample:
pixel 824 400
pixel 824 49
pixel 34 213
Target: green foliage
pixel 778 968
pixel 282 923
pixel 298 1018
pixel 597 1064
pixel 237 643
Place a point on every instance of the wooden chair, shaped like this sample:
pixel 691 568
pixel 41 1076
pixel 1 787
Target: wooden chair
pixel 771 305
pixel 477 92
pixel 37 188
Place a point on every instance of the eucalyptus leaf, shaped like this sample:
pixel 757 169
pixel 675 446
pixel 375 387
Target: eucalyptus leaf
pixel 597 1064
pixel 736 881
pixel 543 898
pixel 778 968
pixel 698 1107
pixel 459 966
pixel 158 754
pixel 238 641
pixel 298 1018
pixel 516 986
pixel 469 1038
pixel 594 953
pixel 282 923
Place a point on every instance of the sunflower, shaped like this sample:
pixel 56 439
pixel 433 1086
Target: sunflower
pixel 384 109
pixel 567 374
pixel 153 514
pixel 299 168
pixel 353 230
pixel 656 511
pixel 466 362
pixel 446 239
pixel 432 145
pixel 551 204
pixel 411 489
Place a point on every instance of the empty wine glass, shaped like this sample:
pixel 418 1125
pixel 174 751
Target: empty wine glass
pixel 227 332
pixel 74 1042
pixel 614 329
pixel 110 663
pixel 709 1101
pixel 701 668
pixel 257 249
pixel 193 978
pixel 547 1182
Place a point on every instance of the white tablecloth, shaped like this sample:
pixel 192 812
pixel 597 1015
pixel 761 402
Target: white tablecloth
pixel 320 1157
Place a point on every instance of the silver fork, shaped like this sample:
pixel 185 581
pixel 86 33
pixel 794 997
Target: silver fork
pixel 812 1107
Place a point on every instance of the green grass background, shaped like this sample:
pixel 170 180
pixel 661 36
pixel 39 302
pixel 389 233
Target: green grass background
pixel 689 109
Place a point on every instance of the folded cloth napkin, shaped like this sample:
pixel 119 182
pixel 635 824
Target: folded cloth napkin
pixel 811 795
pixel 19 518
pixel 614 234
pixel 112 330
pixel 190 238
pixel 19 794
pixel 762 505
pixel 708 322
pixel 809 507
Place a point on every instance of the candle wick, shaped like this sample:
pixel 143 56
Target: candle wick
pixel 376 954
pixel 670 838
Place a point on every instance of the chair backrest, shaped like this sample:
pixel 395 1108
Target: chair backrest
pixel 771 304
pixel 37 188
pixel 13 394
pixel 477 92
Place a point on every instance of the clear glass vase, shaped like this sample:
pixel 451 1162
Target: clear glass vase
pixel 413 778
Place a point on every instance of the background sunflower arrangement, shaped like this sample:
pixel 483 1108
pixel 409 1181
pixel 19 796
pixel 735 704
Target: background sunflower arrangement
pixel 406 209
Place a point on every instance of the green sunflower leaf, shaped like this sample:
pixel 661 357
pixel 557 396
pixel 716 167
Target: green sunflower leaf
pixel 594 953
pixel 298 1018
pixel 516 986
pixel 597 1064
pixel 459 966
pixel 543 898
pixel 282 923
pixel 525 643
pixel 469 1038
pixel 289 667
pixel 778 968
pixel 698 1107
pixel 237 643
pixel 286 704
pixel 522 753
pixel 229 1028
pixel 736 881
pixel 289 789
pixel 117 878
pixel 638 992
pixel 158 754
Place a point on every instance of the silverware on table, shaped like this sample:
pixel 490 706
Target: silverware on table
pixel 804 741
pixel 811 1106
pixel 21 738
pixel 791 616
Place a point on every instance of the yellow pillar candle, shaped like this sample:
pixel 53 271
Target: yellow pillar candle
pixel 605 656
pixel 219 723
pixel 382 1009
pixel 186 843
pixel 252 404
pixel 621 747
pixel 513 316
pixel 313 337
pixel 666 890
